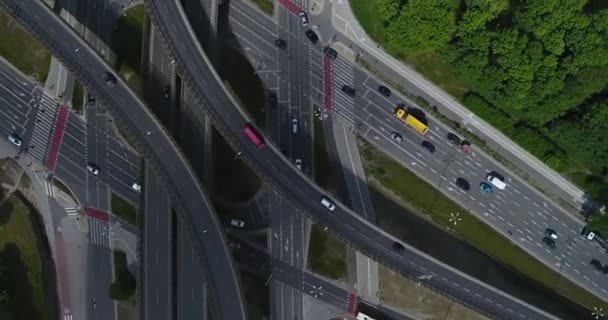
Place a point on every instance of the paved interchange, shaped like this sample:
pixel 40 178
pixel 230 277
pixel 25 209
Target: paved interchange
pixel 156 144
pixel 387 120
pixel 292 184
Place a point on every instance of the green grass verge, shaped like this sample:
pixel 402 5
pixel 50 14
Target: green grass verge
pixel 22 50
pixel 439 73
pixel 367 13
pixel 78 97
pixel 391 177
pixel 124 286
pixel 326 254
pixel 124 209
pixel 62 187
pixel 21 261
pixel 267 6
pixel 127 40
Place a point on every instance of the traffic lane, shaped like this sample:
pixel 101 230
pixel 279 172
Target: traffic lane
pixel 477 162
pixel 157 261
pixel 99 279
pixel 489 210
pixel 15 101
pixel 493 205
pixel 167 157
pixel 122 157
pixel 249 32
pixel 252 17
pixel 93 193
pixel 293 184
pixel 127 174
pixel 191 287
pixel 514 183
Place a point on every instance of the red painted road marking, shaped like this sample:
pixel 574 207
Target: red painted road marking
pixel 62 273
pixel 351 304
pixel 290 6
pixel 97 214
pixel 327 82
pixel 60 122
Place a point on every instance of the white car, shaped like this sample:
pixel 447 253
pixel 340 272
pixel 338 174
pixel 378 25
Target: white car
pixel 495 181
pixel 15 139
pixel 299 164
pixel 328 204
pixel 294 126
pixel 136 187
pixel 237 223
pixel 93 168
pixel 303 18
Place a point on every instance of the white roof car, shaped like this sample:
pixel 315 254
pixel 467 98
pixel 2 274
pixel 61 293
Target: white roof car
pixel 303 18
pixel 136 187
pixel 328 204
pixel 14 139
pixel 294 126
pixel 237 223
pixel 93 168
pixel 495 181
pixel 299 164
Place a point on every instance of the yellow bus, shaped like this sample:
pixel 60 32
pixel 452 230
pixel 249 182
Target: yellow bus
pixel 411 121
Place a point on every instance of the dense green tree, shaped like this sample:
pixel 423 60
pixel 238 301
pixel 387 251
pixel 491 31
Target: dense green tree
pixel 389 9
pixel 422 26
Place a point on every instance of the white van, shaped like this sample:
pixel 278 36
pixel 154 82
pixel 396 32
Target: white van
pixel 495 181
pixel 328 204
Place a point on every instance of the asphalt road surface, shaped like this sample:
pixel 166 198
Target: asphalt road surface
pixel 230 120
pixel 519 212
pixel 156 145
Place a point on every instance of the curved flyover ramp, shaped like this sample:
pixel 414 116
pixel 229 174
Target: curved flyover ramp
pixel 158 148
pixel 230 119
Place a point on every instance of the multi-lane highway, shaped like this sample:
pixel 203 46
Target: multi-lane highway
pixel 230 121
pixel 157 146
pixel 519 212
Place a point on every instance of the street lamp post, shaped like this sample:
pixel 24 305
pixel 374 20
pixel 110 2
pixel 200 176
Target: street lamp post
pixel 448 160
pixel 563 262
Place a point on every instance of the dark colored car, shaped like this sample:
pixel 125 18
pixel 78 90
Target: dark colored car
pixel 605 269
pixel 596 264
pixel 90 99
pixel 312 36
pixel 348 90
pixel 330 52
pixel 385 91
pixel 549 242
pixel 398 247
pixel 551 233
pixel 463 184
pixel 166 91
pixel 485 187
pixel 281 44
pixel 454 139
pixel 283 149
pixel 110 79
pixel 272 99
pixel 428 146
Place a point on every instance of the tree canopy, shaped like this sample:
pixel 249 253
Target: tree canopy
pixel 537 69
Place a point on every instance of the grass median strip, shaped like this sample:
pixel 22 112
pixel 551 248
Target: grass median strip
pixel 124 209
pixel 393 178
pixel 326 255
pixel 22 50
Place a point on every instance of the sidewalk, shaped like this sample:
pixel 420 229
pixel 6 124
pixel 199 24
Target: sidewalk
pixel 344 22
